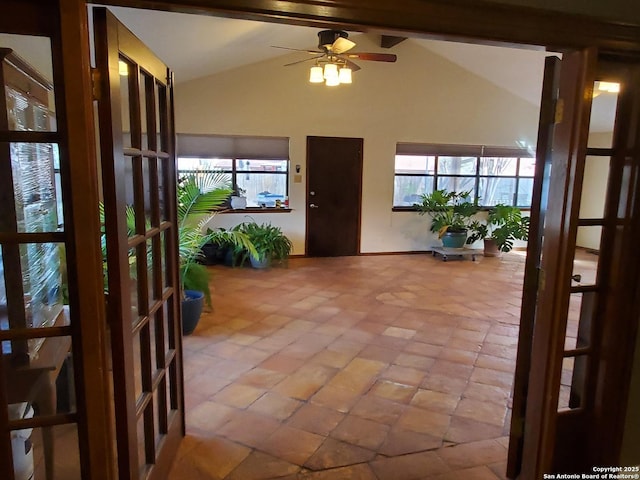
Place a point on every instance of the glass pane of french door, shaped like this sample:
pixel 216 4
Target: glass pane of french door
pixel 43 291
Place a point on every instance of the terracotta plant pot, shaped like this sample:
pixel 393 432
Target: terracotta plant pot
pixel 491 248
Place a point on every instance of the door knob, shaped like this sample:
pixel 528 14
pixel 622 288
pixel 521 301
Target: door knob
pixel 313 205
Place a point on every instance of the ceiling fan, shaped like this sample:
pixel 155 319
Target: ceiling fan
pixel 334 49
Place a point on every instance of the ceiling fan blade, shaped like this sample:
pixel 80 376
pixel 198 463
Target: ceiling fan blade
pixel 311 52
pixel 305 60
pixel 341 45
pixel 352 65
pixel 376 57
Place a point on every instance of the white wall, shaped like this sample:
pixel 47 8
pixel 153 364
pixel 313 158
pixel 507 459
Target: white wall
pixel 421 98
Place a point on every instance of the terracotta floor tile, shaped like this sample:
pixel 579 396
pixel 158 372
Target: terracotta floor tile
pixel 487 393
pixel 356 472
pixel 409 467
pixel 397 392
pixel 276 406
pixel 357 383
pixel 228 369
pixel 424 421
pixel 361 432
pixel 250 355
pixel 377 352
pixel 499 469
pixel 435 401
pixel 481 411
pixel 425 349
pixel 451 369
pixel 399 332
pixel 336 398
pixel 248 428
pixel 400 442
pixel 331 358
pixel 356 339
pixel 378 409
pixel 228 455
pixel 489 376
pixel 334 453
pixel 315 419
pixel 483 452
pixel 496 363
pixel 237 395
pixel 458 356
pixel 206 385
pixel 404 375
pixel 293 445
pixel 415 361
pixel 261 378
pixel 260 466
pixel 305 382
pixel 475 473
pixel 282 363
pixel 464 430
pixel 208 416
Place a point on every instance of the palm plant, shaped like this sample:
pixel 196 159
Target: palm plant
pixel 199 198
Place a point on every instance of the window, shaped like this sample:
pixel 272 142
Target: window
pixel 492 174
pixel 259 166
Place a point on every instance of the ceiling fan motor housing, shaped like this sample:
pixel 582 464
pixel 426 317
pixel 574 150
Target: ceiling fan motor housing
pixel 327 37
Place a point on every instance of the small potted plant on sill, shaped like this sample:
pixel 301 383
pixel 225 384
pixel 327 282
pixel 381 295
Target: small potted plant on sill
pixel 504 225
pixel 238 199
pixel 269 242
pixel 450 214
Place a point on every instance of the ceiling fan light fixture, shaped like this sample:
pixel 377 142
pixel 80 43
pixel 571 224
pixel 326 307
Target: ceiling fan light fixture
pixel 345 75
pixel 330 71
pixel 316 74
pixel 332 81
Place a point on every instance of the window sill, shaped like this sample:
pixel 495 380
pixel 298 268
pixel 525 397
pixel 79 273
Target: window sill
pixel 258 210
pixel 482 209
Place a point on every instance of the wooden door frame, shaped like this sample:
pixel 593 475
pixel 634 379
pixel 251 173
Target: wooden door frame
pixel 466 20
pixel 478 20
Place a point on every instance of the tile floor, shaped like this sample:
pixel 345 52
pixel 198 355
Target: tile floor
pixel 373 367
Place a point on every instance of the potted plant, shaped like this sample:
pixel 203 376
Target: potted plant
pixel 269 242
pixel 504 225
pixel 199 197
pixel 450 213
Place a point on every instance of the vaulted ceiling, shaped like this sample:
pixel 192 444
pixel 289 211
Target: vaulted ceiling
pixel 196 46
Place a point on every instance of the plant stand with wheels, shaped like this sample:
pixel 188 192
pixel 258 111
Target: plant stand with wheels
pixel 446 253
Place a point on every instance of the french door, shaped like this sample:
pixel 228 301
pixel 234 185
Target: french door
pixel 139 190
pixel 54 398
pixel 573 376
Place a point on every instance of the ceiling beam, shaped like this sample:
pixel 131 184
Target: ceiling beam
pixel 388 41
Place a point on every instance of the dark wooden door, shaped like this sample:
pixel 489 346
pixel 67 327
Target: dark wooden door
pixel 586 318
pixel 139 185
pixel 539 205
pixel 334 196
